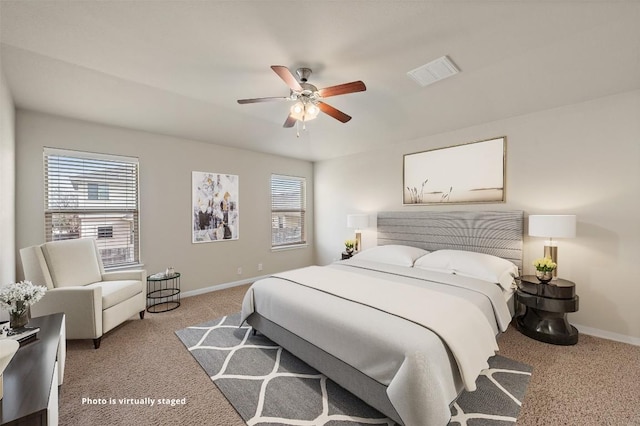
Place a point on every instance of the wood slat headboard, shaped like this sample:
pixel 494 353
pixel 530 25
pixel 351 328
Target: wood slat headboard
pixel 499 233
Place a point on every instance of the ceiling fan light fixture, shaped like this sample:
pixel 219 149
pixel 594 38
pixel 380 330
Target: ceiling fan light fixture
pixel 297 108
pixel 312 110
pixel 304 111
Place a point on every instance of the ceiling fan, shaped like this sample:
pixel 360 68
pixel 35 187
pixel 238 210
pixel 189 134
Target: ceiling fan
pixel 307 97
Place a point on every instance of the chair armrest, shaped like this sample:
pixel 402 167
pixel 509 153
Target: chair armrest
pixel 137 275
pixel 82 307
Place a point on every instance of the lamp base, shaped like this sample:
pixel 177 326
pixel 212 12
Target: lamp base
pixel 358 241
pixel 552 252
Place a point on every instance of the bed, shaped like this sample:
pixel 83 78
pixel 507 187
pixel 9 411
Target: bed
pixel 405 326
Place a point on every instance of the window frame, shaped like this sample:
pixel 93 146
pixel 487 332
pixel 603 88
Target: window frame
pixel 71 212
pixel 300 210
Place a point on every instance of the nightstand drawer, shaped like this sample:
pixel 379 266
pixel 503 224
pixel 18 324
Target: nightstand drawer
pixel 547 304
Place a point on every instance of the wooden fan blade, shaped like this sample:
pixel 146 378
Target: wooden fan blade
pixel 284 73
pixel 268 99
pixel 335 113
pixel 289 122
pixel 343 89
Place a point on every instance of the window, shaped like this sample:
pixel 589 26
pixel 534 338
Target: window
pixel 288 204
pixel 97 191
pixel 105 231
pixel 90 195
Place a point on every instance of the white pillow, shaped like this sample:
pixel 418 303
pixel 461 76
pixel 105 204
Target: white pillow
pixel 470 264
pixel 391 254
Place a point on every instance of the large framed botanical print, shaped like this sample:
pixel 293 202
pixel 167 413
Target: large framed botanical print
pixel 467 173
pixel 215 210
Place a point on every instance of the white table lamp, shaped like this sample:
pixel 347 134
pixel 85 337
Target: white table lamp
pixel 358 222
pixel 552 226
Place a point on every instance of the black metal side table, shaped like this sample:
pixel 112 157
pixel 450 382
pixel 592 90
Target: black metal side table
pixel 163 293
pixel 546 307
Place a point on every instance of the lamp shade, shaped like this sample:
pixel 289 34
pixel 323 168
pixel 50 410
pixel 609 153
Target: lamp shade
pixel 357 221
pixel 552 226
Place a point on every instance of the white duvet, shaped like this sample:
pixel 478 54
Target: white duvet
pixel 425 335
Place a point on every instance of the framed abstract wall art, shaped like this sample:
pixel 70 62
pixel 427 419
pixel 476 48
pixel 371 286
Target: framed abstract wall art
pixel 215 211
pixel 468 173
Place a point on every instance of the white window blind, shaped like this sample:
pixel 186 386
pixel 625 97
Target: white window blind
pixel 90 195
pixel 288 204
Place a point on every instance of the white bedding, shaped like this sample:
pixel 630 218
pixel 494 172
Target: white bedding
pixel 421 372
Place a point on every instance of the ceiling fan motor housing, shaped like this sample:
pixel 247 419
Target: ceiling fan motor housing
pixel 309 90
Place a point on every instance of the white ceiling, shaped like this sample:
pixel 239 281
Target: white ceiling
pixel 178 67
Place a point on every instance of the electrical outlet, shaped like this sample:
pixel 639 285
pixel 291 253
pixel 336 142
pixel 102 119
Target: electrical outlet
pixel 239 270
pixel 259 266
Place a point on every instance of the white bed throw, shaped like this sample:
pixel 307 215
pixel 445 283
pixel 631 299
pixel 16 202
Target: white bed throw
pixel 458 323
pixel 421 366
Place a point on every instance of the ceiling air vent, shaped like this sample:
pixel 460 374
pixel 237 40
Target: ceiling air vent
pixel 433 71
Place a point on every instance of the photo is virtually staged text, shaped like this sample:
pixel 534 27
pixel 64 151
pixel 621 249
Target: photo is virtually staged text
pixel 135 401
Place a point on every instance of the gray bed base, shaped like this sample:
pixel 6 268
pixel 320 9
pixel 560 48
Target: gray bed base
pixel 370 391
pixel 367 389
pixel 493 232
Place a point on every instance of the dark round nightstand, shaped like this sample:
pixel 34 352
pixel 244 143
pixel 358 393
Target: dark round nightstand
pixel 163 292
pixel 546 307
pixel 346 255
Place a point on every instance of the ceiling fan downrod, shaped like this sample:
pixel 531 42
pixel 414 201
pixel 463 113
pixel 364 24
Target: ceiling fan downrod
pixel 304 74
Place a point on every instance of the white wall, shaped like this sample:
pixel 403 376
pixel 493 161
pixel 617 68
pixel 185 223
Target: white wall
pixel 7 185
pixel 581 159
pixel 166 164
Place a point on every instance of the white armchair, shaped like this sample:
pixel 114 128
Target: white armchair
pixel 93 301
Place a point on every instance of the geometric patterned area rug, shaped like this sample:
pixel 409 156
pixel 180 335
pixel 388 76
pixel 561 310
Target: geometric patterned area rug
pixel 269 386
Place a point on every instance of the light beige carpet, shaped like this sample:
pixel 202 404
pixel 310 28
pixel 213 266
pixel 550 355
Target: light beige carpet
pixel 596 382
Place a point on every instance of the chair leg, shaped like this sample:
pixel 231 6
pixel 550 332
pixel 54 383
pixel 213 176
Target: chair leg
pixel 96 342
pixel 141 314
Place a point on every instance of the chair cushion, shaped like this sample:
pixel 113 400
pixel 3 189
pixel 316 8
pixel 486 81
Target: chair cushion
pixel 72 262
pixel 115 292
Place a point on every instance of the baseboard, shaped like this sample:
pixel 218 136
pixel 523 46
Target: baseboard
pixel 221 286
pixel 608 335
